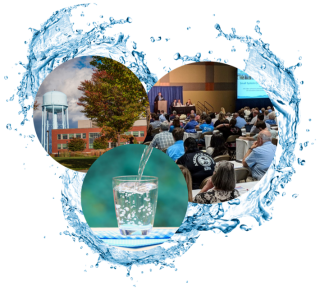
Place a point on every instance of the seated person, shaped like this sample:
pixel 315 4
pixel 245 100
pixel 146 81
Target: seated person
pixel 173 104
pixel 176 150
pixel 272 117
pixel 228 116
pixel 255 116
pixel 260 117
pixel 206 127
pixel 247 111
pixel 179 103
pixel 241 122
pixel 175 123
pixel 217 146
pixel 156 123
pixel 189 103
pixel 192 123
pixel 213 118
pixel 261 125
pixel 174 114
pixel 162 118
pixel 220 120
pixel 149 136
pixel 200 164
pixel 167 117
pixel 188 178
pixel 163 139
pixel 260 155
pixel 221 187
pixel 198 116
pixel 229 129
pixel 203 117
pixel 152 115
pixel 191 112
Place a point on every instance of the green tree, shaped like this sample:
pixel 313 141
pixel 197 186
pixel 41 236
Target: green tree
pixel 76 144
pixel 114 98
pixel 100 143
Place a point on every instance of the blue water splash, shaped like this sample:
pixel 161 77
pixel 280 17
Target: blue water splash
pixel 56 42
pixel 8 126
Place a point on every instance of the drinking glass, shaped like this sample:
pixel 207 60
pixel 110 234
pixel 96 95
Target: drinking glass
pixel 135 203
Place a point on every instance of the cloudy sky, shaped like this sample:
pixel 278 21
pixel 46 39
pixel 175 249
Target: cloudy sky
pixel 65 78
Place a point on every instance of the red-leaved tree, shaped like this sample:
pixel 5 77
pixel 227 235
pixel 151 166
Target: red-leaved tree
pixel 114 98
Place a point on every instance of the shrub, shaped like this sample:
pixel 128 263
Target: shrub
pixel 100 143
pixel 76 144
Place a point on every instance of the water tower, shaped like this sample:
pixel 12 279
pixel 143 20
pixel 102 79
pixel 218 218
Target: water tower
pixel 54 105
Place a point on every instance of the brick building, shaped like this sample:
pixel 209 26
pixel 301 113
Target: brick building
pixel 89 132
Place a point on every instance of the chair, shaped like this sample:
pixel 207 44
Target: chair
pixel 274 141
pixel 231 149
pixel 205 133
pixel 222 158
pixel 202 136
pixel 147 143
pixel 155 131
pixel 204 182
pixel 241 174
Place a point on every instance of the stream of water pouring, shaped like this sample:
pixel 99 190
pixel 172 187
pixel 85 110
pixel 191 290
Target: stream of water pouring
pixel 143 161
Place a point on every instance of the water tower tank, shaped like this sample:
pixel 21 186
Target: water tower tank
pixel 54 103
pixel 55 98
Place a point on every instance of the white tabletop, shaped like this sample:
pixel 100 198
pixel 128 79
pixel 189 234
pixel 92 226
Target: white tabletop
pixel 236 164
pixel 194 135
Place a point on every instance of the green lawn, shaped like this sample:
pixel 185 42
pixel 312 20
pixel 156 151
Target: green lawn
pixel 76 163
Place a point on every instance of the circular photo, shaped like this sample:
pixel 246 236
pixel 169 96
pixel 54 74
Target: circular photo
pixel 87 106
pixel 134 197
pixel 221 128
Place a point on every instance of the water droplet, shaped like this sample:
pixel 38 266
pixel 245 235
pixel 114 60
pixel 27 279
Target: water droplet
pixel 81 247
pixel 101 16
pixel 88 23
pixel 6 77
pixel 310 119
pixel 258 21
pixel 300 147
pixel 177 56
pixel 214 15
pixel 257 29
pixel 244 227
pixel 226 61
pixel 284 194
pixel 129 19
pixel 152 39
pixel 134 45
pixel 87 254
pixel 263 66
pixel 295 195
pixel 187 282
pixel 44 237
pixel 233 30
pixel 210 52
pixel 159 38
pixel 82 14
pixel 8 126
pixel 299 64
pixel 233 49
pixel 167 39
pixel 150 270
pixel 131 278
pixel 308 130
pixel 25 42
pixel 300 58
pixel 306 143
pixel 57 28
pixel 188 28
pixel 219 60
pixel 302 82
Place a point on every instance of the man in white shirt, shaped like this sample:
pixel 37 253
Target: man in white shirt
pixel 255 116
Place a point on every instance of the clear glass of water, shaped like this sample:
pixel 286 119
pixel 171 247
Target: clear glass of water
pixel 135 203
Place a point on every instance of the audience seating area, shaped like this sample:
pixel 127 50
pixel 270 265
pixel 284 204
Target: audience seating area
pixel 205 127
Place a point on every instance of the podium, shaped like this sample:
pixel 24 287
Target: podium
pixel 161 105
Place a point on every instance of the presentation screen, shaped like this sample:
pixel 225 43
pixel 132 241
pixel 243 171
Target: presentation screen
pixel 248 87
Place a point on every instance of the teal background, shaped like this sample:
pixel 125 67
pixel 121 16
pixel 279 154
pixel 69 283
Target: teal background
pixel 97 195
